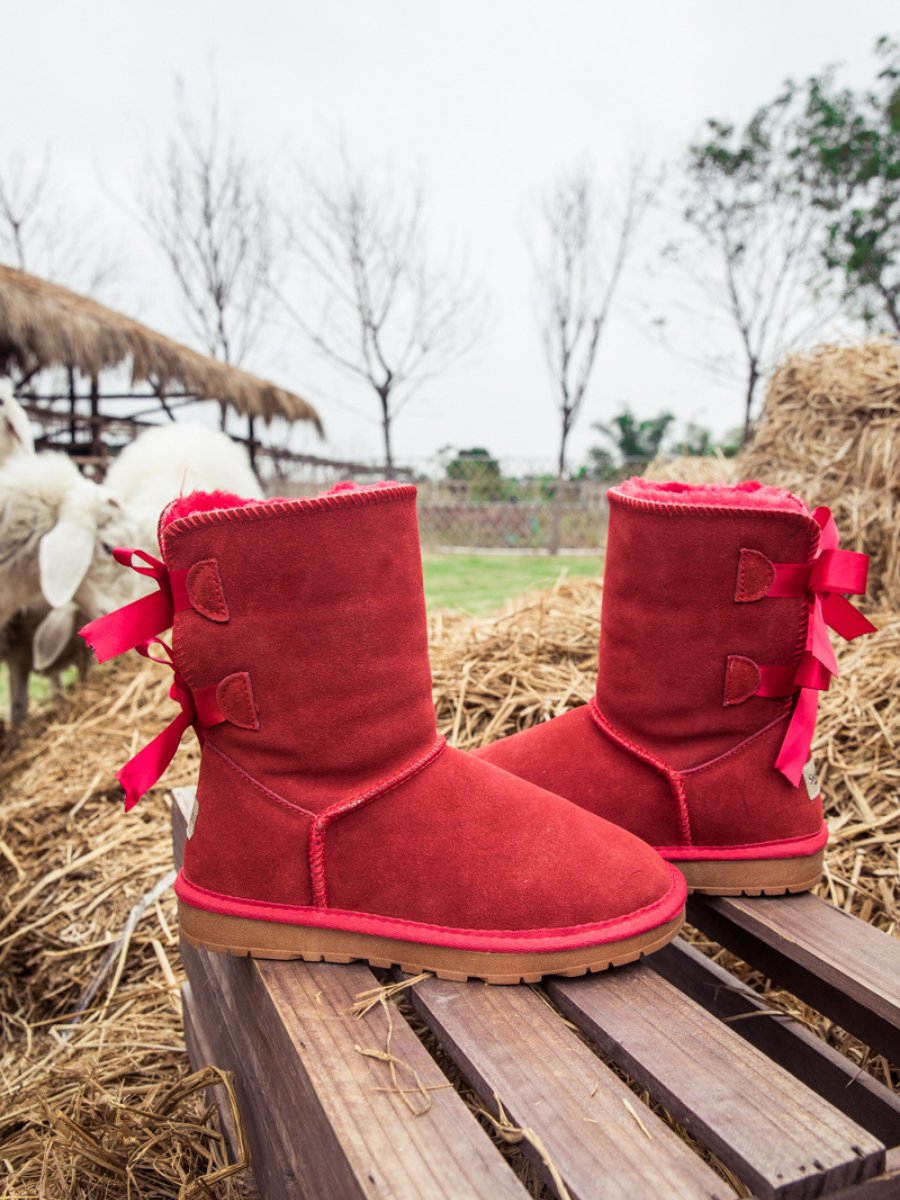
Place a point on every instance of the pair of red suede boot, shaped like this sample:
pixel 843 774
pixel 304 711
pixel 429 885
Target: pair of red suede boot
pixel 331 820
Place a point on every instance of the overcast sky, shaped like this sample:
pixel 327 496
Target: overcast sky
pixel 486 100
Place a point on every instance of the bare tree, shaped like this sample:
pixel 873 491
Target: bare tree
pixel 752 253
pixel 385 316
pixel 203 204
pixel 40 234
pixel 578 265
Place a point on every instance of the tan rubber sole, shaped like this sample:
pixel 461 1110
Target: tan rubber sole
pixel 754 876
pixel 241 936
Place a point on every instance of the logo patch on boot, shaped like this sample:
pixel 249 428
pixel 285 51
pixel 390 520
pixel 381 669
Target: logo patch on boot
pixel 193 821
pixel 811 780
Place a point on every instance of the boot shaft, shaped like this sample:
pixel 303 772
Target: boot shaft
pixel 686 619
pixel 307 623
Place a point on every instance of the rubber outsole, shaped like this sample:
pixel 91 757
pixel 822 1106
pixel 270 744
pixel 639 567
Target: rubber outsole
pixel 241 936
pixel 753 876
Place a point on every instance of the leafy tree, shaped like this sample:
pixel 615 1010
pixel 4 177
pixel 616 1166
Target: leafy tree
pixel 848 150
pixel 480 471
pixel 632 439
pixel 751 246
pixel 698 441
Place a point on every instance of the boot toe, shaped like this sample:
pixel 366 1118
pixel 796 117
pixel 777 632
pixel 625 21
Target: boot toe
pixel 465 845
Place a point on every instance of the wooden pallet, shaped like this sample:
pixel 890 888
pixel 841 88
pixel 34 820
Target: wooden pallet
pixel 787 1114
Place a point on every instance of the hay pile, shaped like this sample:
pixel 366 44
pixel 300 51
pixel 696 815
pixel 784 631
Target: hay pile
pixel 86 1102
pixel 693 468
pixel 829 432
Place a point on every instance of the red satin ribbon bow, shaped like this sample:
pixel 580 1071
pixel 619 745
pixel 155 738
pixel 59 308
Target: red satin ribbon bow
pixel 138 622
pixel 199 709
pixel 135 627
pixel 832 573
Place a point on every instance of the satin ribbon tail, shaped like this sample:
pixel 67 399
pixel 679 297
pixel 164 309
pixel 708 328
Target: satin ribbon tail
pixel 795 748
pixel 141 772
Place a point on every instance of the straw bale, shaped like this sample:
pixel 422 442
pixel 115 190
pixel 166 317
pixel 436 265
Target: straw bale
pixel 73 866
pixel 830 432
pixel 693 468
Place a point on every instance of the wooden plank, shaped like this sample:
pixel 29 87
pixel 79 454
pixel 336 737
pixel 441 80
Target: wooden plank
pixel 782 1039
pixel 343 1136
pixel 209 1043
pixel 839 965
pixel 508 1041
pixel 885 1187
pixel 777 1135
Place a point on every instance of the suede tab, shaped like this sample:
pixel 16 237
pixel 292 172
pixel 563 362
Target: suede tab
pixel 235 697
pixel 742 679
pixel 205 591
pixel 756 574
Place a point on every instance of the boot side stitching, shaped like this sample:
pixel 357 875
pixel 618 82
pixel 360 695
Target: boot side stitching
pixel 321 822
pixel 673 509
pixel 272 508
pixel 294 808
pixel 712 762
pixel 671 776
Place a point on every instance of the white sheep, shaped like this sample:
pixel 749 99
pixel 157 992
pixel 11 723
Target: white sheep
pixel 58 531
pixel 15 428
pixel 57 534
pixel 171 460
pixel 45 639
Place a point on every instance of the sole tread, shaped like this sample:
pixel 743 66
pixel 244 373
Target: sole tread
pixel 454 965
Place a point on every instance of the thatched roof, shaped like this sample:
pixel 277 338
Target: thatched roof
pixel 45 325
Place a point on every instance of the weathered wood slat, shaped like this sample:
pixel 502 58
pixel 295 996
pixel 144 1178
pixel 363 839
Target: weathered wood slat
pixel 508 1041
pixel 779 1137
pixel 842 967
pixel 885 1187
pixel 209 1043
pixel 782 1039
pixel 345 1136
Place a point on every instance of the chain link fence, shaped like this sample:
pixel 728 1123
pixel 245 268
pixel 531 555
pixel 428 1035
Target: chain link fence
pixel 476 502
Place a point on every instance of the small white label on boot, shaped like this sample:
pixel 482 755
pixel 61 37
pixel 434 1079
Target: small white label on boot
pixel 195 810
pixel 811 780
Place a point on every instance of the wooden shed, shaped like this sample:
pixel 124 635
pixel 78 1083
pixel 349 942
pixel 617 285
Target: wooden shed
pixel 45 326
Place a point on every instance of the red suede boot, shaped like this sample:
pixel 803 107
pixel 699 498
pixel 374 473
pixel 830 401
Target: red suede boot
pixel 712 646
pixel 332 822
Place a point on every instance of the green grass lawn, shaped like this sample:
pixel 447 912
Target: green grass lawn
pixel 481 582
pixel 475 583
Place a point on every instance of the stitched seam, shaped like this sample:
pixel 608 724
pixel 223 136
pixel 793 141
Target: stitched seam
pixel 742 570
pixel 671 776
pixel 248 695
pixel 801 837
pixel 286 508
pixel 260 787
pixel 321 822
pixel 712 762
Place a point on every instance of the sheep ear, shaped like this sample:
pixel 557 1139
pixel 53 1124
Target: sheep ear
pixel 65 554
pixel 52 636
